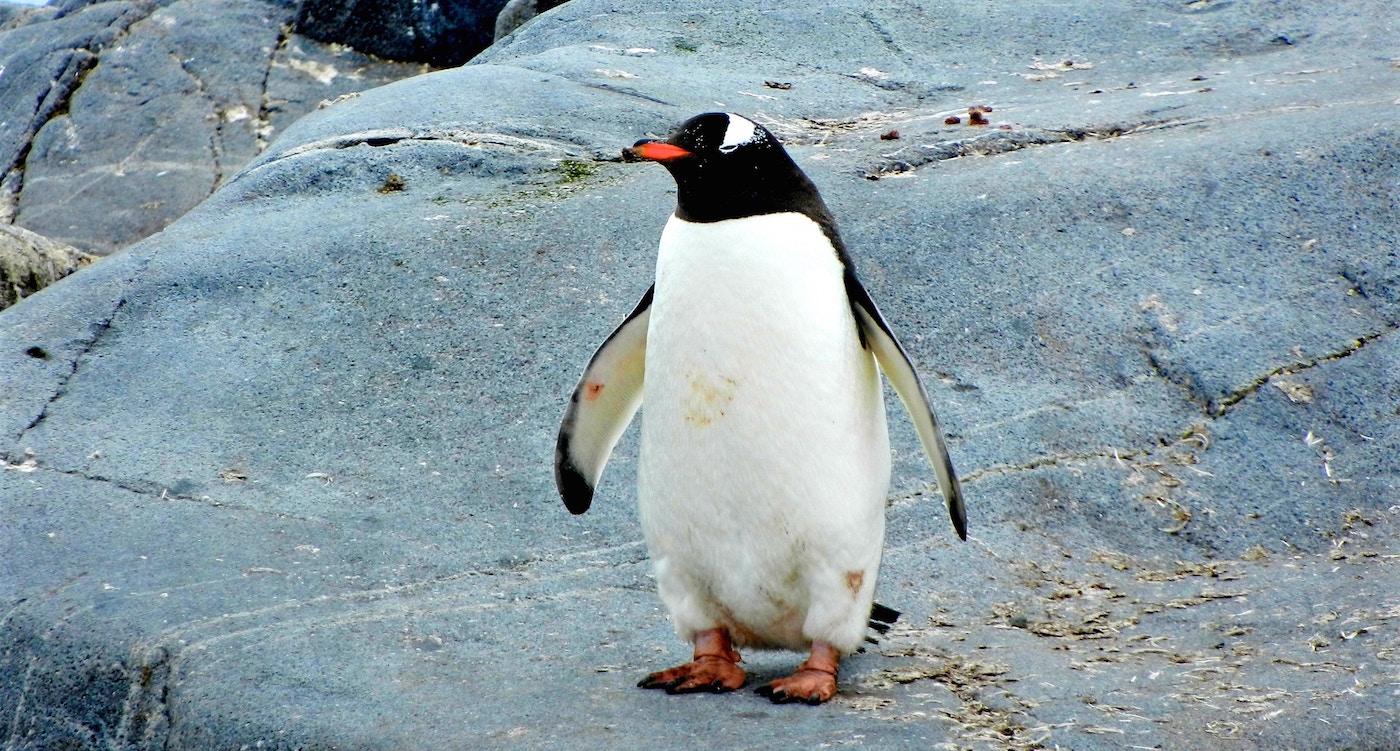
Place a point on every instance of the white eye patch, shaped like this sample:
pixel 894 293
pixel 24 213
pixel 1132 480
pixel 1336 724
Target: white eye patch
pixel 739 132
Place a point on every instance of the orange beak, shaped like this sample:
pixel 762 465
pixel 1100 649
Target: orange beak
pixel 654 151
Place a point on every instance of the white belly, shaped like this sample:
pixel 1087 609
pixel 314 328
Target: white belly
pixel 764 454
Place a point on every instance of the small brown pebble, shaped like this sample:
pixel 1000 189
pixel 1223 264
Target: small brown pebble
pixel 1004 127
pixel 975 117
pixel 890 136
pixel 952 120
pixel 779 85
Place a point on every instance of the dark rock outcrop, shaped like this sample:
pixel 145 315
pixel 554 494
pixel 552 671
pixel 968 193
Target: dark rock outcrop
pixel 442 33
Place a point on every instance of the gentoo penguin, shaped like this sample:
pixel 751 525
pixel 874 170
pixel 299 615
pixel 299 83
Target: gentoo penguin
pixel 765 458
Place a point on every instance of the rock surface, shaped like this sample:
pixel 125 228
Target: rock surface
pixel 117 117
pixel 282 476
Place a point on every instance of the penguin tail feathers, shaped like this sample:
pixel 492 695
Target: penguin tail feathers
pixel 883 614
pixel 881 618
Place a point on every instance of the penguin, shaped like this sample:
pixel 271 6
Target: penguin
pixel 764 462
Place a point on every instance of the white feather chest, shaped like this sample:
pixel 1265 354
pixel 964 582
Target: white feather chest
pixel 765 456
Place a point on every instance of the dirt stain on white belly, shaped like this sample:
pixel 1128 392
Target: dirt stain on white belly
pixel 709 396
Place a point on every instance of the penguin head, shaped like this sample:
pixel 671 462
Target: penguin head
pixel 708 141
pixel 726 166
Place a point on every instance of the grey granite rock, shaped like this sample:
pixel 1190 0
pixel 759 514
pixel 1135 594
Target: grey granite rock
pixel 283 479
pixel 45 56
pixel 117 117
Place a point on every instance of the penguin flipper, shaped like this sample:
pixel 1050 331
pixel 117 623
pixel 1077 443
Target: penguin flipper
pixel 878 338
pixel 603 404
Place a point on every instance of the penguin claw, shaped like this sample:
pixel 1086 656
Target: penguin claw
pixel 657 680
pixel 707 674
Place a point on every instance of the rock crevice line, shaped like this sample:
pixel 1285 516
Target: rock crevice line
pixel 1212 409
pixel 216 133
pixel 1223 405
pixel 389 137
pixel 1054 460
pixel 394 136
pixel 884 35
pixel 263 124
pixel 996 142
pixel 95 334
pixel 150 489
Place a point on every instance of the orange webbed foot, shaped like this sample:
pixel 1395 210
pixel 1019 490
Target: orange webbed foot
pixel 713 669
pixel 712 674
pixel 810 686
pixel 813 683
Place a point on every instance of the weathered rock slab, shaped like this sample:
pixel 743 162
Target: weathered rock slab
pixel 285 476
